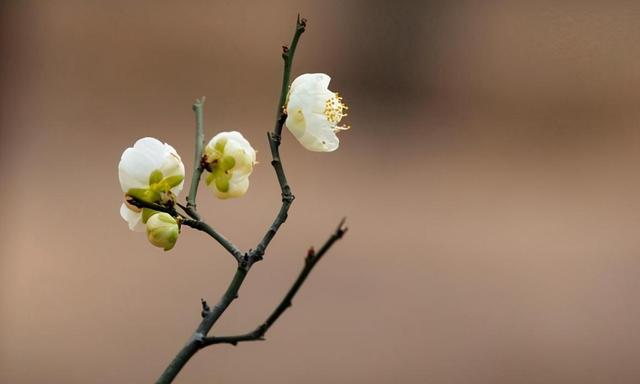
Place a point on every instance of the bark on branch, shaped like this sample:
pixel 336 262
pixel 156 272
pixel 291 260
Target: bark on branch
pixel 210 316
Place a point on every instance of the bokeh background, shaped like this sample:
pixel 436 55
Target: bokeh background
pixel 491 184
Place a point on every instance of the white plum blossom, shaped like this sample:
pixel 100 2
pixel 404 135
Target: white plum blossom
pixel 314 112
pixel 150 171
pixel 162 230
pixel 229 159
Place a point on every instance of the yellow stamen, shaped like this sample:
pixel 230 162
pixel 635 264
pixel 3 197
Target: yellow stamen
pixel 334 109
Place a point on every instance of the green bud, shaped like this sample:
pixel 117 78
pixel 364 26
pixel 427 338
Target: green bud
pixel 144 194
pixel 162 230
pixel 155 177
pixel 209 179
pixel 220 144
pixel 222 183
pixel 172 181
pixel 227 162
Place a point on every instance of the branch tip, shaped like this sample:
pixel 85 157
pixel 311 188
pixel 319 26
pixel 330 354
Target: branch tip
pixel 199 102
pixel 341 230
pixel 301 22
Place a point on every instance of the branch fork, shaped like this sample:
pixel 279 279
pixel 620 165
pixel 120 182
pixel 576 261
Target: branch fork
pixel 245 260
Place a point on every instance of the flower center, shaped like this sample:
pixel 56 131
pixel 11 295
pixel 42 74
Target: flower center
pixel 335 110
pixel 159 190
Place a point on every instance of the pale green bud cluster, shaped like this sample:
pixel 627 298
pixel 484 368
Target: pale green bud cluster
pixel 159 189
pixel 229 160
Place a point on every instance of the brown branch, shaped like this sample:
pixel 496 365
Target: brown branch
pixel 210 316
pixel 310 261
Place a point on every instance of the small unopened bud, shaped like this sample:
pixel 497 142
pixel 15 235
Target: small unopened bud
pixel 162 230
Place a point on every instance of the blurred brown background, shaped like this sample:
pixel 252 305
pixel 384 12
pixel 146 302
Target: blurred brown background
pixel 491 183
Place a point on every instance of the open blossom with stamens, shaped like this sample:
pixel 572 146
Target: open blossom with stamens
pixel 314 112
pixel 150 171
pixel 229 159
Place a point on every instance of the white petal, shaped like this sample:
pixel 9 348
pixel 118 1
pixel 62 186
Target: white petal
pixel 148 155
pixel 235 136
pixel 237 188
pixel 151 147
pixel 170 149
pixel 296 122
pixel 231 137
pixel 137 163
pixel 173 166
pixel 128 181
pixel 236 146
pixel 309 102
pixel 133 218
pixel 134 169
pixel 319 135
pixel 244 157
pixel 171 162
pixel 310 82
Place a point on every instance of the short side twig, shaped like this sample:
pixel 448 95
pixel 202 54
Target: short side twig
pixel 170 209
pixel 197 162
pixel 206 228
pixel 209 318
pixel 195 224
pixel 310 261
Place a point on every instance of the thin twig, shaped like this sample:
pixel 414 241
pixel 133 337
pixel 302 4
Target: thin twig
pixel 197 162
pixel 310 261
pixel 190 212
pixel 274 144
pixel 170 209
pixel 204 227
pixel 287 55
pixel 195 224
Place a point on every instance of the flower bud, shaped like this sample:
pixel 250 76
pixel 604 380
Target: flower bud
pixel 162 230
pixel 229 159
